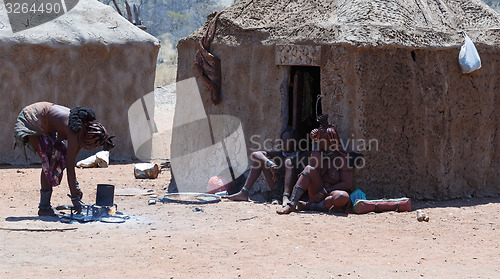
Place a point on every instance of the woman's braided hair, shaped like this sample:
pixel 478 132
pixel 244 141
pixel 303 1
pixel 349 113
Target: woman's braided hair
pixel 79 115
pixel 91 134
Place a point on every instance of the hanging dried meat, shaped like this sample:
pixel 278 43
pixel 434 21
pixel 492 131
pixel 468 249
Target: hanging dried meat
pixel 207 65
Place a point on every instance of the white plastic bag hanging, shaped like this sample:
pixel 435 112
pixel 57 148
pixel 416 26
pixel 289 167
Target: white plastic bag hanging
pixel 469 58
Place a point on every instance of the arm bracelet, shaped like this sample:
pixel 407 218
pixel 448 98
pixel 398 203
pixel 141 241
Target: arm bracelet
pixel 315 146
pixel 325 191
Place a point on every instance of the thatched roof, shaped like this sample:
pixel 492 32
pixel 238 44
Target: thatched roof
pixel 89 22
pixel 415 23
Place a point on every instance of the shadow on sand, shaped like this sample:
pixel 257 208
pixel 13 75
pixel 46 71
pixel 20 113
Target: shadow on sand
pixel 337 214
pixel 33 218
pixel 466 202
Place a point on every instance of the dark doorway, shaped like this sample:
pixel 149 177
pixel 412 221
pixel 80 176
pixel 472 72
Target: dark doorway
pixel 303 92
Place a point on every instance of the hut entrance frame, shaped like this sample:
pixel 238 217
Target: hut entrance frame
pixel 303 91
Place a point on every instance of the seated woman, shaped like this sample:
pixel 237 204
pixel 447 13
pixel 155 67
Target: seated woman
pixel 42 127
pixel 328 178
pixel 275 165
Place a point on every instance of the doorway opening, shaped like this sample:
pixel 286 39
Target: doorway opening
pixel 303 104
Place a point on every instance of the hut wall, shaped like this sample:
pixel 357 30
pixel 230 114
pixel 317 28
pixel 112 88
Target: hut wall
pixel 433 131
pixel 107 78
pixel 437 129
pixel 254 89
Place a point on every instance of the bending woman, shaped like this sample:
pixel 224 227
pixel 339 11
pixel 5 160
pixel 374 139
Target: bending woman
pixel 42 127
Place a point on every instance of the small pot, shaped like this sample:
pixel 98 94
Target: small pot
pixel 105 195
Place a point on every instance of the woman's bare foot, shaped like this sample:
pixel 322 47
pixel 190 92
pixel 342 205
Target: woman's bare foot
pixel 286 200
pixel 302 205
pixel 240 196
pixel 287 209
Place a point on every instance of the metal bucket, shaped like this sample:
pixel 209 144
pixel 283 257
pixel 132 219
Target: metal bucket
pixel 105 195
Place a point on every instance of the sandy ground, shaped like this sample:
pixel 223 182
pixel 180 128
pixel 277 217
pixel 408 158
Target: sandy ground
pixel 237 239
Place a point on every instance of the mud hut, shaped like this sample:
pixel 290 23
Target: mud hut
pixel 387 72
pixel 90 56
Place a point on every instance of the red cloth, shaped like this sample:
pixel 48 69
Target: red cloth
pixel 365 206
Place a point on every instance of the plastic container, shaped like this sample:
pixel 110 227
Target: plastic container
pixel 217 184
pixel 357 195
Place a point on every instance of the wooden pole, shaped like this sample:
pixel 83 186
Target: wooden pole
pixel 129 12
pixel 117 9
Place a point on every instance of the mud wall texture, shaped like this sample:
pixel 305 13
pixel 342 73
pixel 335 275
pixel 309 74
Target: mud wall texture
pixel 252 90
pixel 426 130
pixel 437 129
pixel 107 78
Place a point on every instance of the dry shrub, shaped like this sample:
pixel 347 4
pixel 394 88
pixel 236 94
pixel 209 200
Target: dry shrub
pixel 166 67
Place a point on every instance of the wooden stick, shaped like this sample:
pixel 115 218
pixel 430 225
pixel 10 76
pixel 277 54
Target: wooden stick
pixel 39 229
pixel 246 219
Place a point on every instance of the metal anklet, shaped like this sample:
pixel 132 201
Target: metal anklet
pixel 269 163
